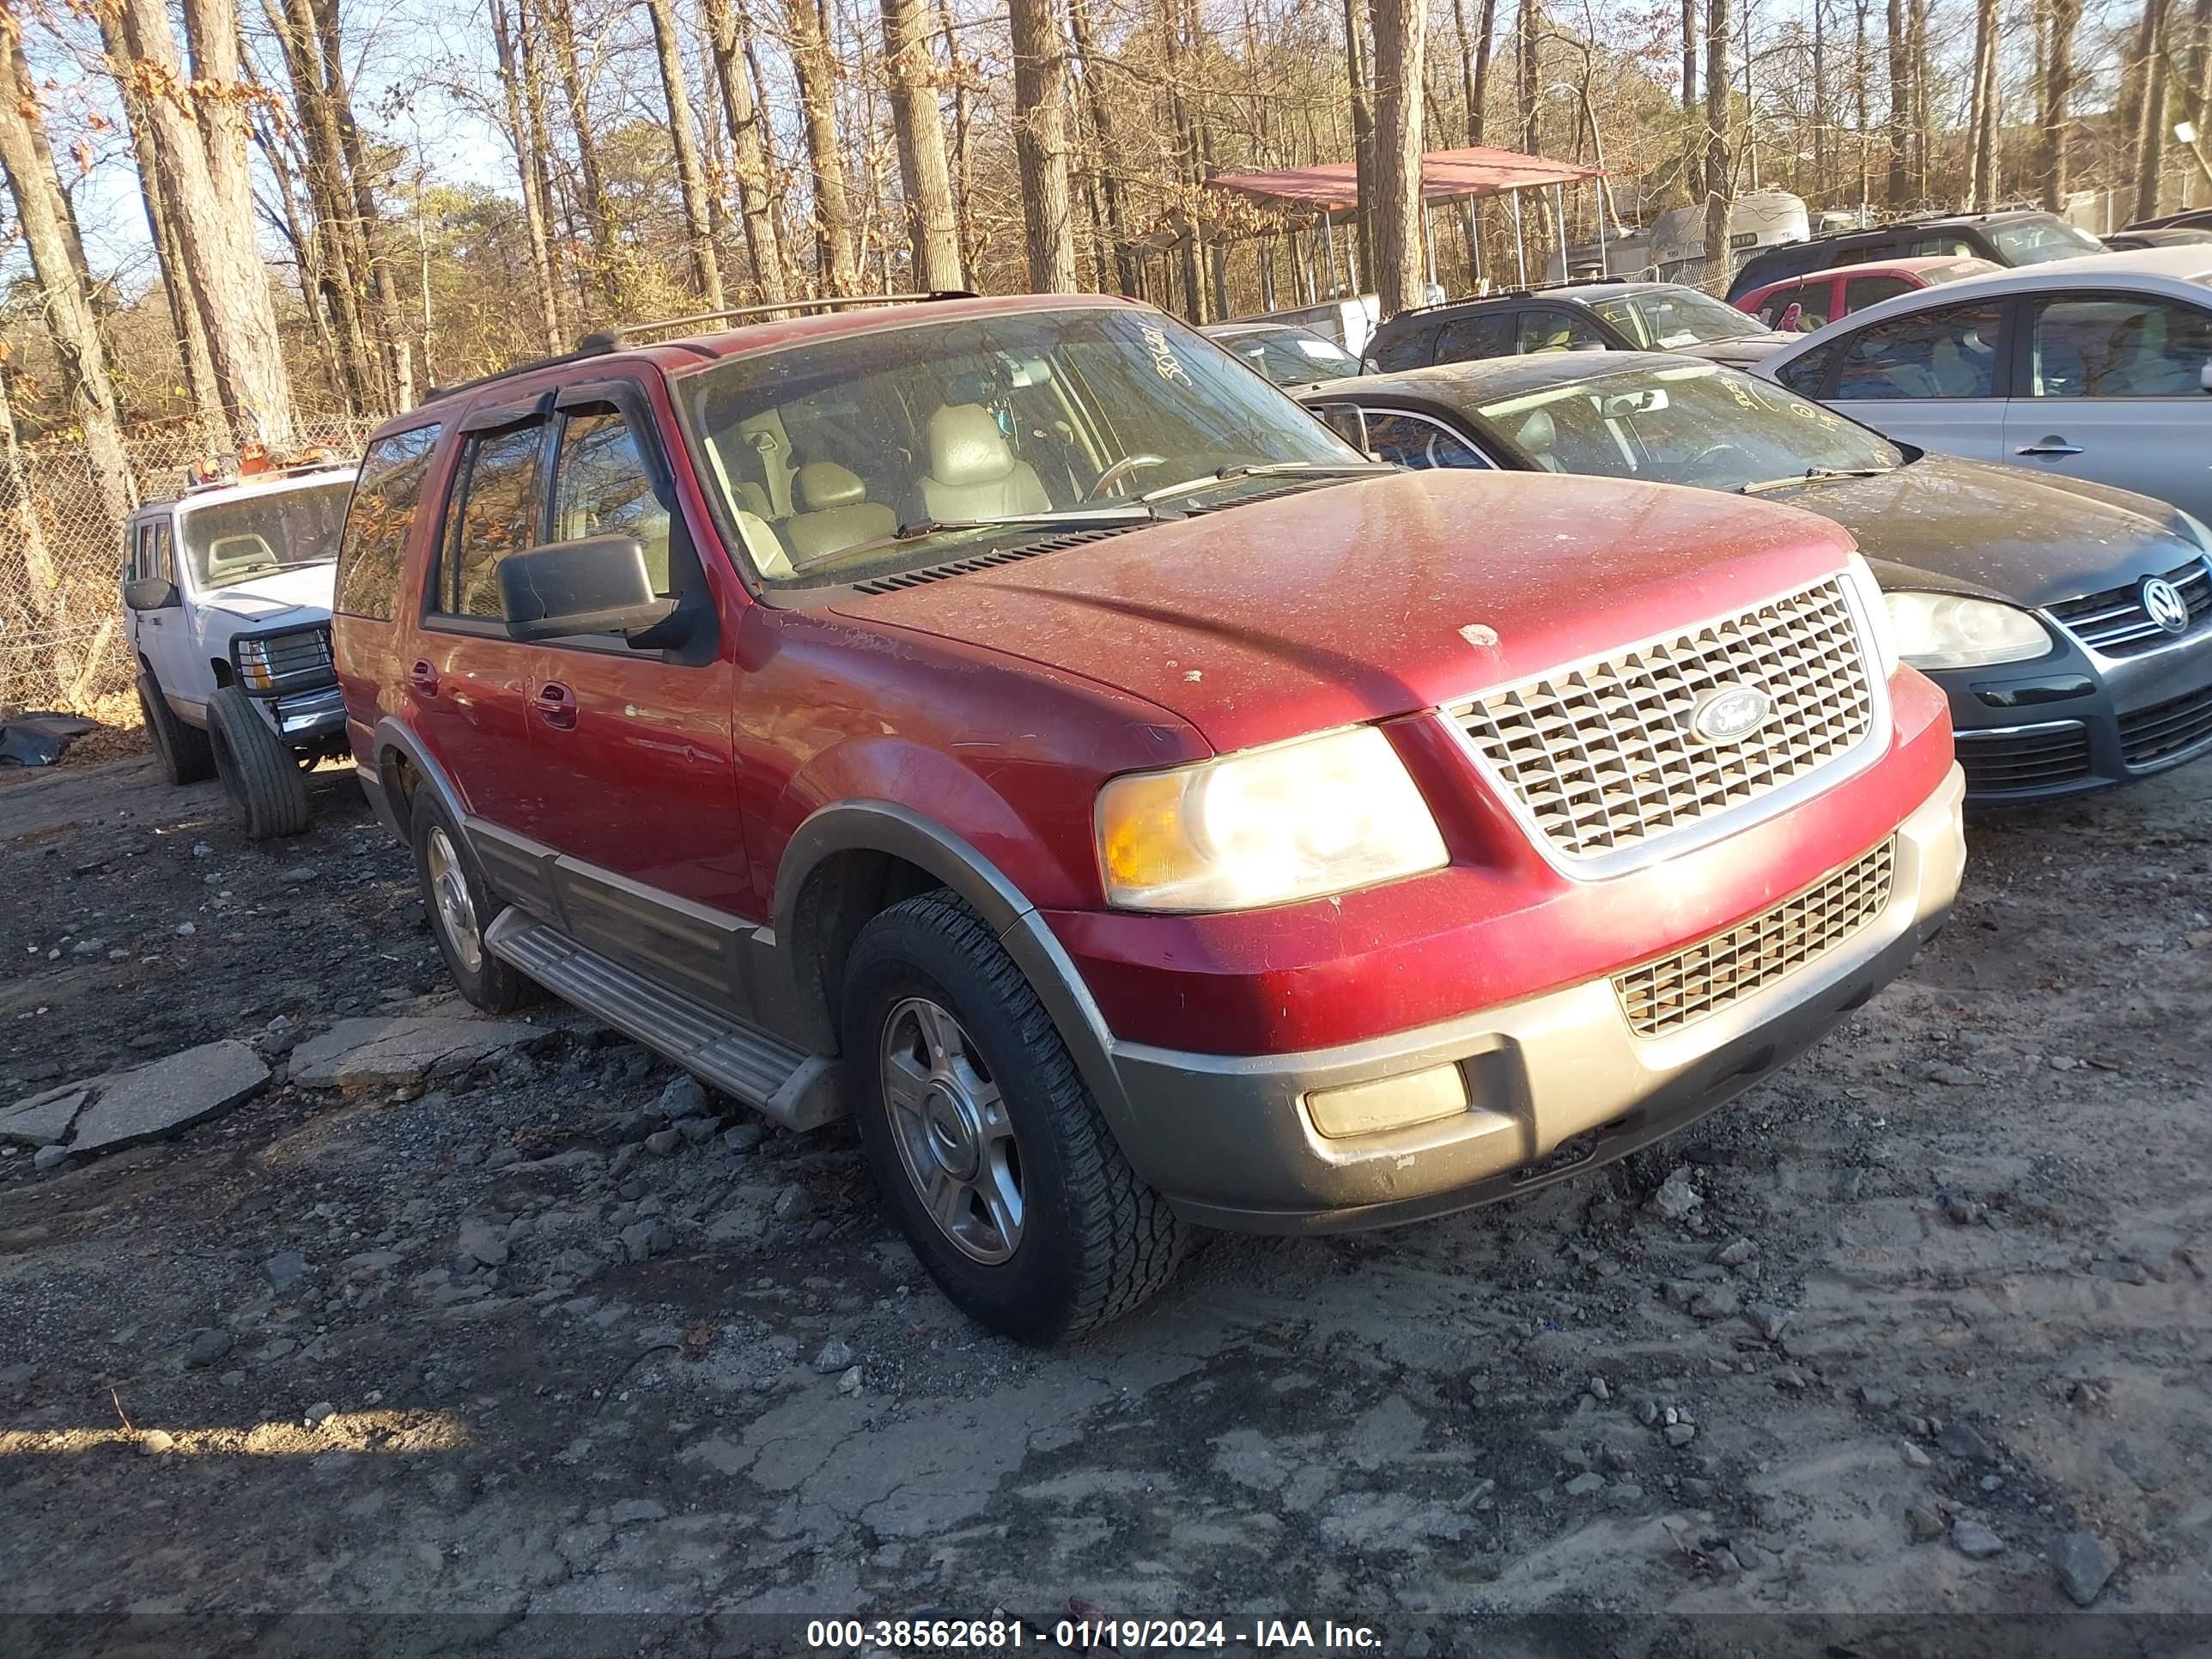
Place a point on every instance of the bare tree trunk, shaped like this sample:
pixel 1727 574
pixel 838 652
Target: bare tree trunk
pixel 1401 29
pixel 1040 143
pixel 539 182
pixel 1982 110
pixel 1528 32
pixel 1362 132
pixel 1720 171
pixel 1900 105
pixel 2057 101
pixel 1186 171
pixel 228 279
pixel 1689 56
pixel 1819 188
pixel 340 369
pixel 691 178
pixel 2146 153
pixel 41 582
pixel 525 168
pixel 925 177
pixel 598 210
pixel 86 385
pixel 343 261
pixel 963 188
pixel 1127 277
pixel 1474 64
pixel 817 71
pixel 376 271
pixel 1923 105
pixel 747 158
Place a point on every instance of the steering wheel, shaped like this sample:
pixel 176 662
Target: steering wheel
pixel 1121 470
pixel 1715 452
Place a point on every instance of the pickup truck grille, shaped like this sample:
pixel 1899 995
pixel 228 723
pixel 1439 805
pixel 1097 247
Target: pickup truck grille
pixel 2115 623
pixel 1665 995
pixel 1603 757
pixel 295 662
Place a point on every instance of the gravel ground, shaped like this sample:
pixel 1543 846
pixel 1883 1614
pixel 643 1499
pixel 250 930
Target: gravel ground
pixel 1916 1329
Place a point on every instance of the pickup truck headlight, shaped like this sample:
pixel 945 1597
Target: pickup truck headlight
pixel 255 672
pixel 1298 820
pixel 1945 631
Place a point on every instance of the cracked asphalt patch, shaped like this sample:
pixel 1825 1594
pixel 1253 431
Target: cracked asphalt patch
pixel 428 1329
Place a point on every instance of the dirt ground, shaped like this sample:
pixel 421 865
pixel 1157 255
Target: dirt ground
pixel 1914 1329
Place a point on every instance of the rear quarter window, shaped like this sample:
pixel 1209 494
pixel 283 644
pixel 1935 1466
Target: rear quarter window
pixel 1407 350
pixel 386 498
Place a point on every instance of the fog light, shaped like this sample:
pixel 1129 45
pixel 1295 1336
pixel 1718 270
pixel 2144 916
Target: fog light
pixel 1389 1102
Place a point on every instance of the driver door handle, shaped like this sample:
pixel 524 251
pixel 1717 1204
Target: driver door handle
pixel 423 680
pixel 2053 445
pixel 556 705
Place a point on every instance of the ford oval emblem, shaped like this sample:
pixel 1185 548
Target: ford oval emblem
pixel 1727 713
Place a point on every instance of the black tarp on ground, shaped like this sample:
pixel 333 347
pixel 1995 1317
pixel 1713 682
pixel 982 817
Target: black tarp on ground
pixel 38 736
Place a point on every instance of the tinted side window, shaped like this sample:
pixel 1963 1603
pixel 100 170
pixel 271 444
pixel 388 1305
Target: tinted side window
pixel 1806 375
pixel 1949 351
pixel 385 498
pixel 1406 351
pixel 1863 291
pixel 1547 329
pixel 493 511
pixel 601 487
pixel 1469 338
pixel 1416 441
pixel 2111 347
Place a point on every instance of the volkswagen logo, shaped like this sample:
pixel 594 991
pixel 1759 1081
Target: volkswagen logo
pixel 1727 713
pixel 2163 604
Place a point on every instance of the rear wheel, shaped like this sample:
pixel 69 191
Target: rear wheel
pixel 262 776
pixel 460 908
pixel 182 750
pixel 988 1149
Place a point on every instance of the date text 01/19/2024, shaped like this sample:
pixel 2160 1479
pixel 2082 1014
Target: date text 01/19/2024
pixel 988 1635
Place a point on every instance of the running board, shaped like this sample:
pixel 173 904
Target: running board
pixel 797 1089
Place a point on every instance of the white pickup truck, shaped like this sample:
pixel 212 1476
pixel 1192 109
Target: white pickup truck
pixel 228 590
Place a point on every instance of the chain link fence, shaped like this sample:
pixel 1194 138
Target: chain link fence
pixel 63 643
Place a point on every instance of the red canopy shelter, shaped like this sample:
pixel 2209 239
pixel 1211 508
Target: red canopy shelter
pixel 1447 175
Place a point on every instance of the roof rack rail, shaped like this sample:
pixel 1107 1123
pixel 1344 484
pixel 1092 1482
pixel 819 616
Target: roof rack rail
pixel 1509 290
pixel 629 334
pixel 600 342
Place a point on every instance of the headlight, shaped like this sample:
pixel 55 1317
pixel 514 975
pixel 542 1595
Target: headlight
pixel 2196 527
pixel 254 672
pixel 1942 631
pixel 1874 606
pixel 1321 815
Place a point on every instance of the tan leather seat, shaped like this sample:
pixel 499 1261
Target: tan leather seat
pixel 972 473
pixel 834 513
pixel 1537 435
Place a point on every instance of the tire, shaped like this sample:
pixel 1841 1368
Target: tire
pixel 459 908
pixel 263 778
pixel 183 749
pixel 1051 1233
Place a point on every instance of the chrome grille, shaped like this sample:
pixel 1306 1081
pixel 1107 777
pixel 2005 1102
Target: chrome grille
pixel 2115 623
pixel 1603 757
pixel 296 661
pixel 1671 992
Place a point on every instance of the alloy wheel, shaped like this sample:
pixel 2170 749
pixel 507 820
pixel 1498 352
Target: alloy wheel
pixel 449 892
pixel 954 1138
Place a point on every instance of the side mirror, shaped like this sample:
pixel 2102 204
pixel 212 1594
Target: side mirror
pixel 149 593
pixel 595 585
pixel 1347 422
pixel 2204 377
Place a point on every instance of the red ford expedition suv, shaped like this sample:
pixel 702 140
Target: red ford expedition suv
pixel 1015 723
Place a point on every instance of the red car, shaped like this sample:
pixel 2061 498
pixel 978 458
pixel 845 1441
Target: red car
pixel 1016 723
pixel 1804 303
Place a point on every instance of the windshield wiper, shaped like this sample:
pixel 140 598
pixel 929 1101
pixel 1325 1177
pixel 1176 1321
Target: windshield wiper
pixel 1267 470
pixel 1811 475
pixel 1100 518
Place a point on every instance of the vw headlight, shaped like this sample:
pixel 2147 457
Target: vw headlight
pixel 2196 529
pixel 1321 815
pixel 1944 630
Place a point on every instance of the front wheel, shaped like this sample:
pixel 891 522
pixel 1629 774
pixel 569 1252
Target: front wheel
pixel 182 750
pixel 263 778
pixel 988 1149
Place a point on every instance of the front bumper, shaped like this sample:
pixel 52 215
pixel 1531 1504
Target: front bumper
pixel 1559 1083
pixel 311 717
pixel 2078 721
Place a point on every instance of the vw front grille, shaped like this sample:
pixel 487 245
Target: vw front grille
pixel 2115 623
pixel 1603 758
pixel 1665 995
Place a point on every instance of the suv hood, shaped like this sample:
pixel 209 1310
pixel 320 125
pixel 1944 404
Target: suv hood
pixel 1355 601
pixel 2000 530
pixel 266 599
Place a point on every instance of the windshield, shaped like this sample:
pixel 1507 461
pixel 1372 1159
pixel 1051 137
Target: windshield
pixel 234 541
pixel 1692 425
pixel 1669 319
pixel 2031 241
pixel 1290 356
pixel 899 448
